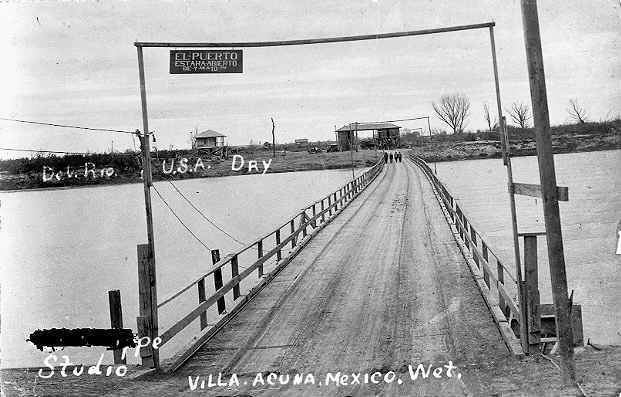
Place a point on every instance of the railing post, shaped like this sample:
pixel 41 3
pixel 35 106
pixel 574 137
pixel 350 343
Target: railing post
pixel 201 298
pixel 323 215
pixel 303 223
pixel 473 235
pixel 235 273
pixel 217 280
pixel 336 203
pixel 116 321
pixel 330 205
pixel 501 280
pixel 292 226
pixel 314 223
pixel 466 225
pixel 259 256
pixel 532 289
pixel 147 301
pixel 279 252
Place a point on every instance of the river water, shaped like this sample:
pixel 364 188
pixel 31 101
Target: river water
pixel 589 223
pixel 62 250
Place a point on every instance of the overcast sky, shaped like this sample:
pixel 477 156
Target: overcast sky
pixel 75 63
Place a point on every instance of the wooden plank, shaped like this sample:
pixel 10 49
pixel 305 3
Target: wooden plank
pixel 532 289
pixel 292 229
pixel 279 252
pixel 147 352
pixel 217 280
pixel 278 43
pixel 201 298
pixel 259 256
pixel 501 280
pixel 235 273
pixel 116 320
pixel 147 295
pixel 528 189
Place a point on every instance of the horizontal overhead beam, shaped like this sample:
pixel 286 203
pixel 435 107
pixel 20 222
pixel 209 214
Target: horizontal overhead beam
pixel 314 41
pixel 527 189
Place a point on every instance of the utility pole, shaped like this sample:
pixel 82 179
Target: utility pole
pixel 273 139
pixel 147 179
pixel 549 192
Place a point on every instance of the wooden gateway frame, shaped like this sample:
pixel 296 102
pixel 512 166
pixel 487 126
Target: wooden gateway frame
pixel 147 321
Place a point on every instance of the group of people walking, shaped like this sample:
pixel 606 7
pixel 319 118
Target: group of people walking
pixel 389 157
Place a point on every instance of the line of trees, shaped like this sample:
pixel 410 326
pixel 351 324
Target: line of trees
pixel 454 110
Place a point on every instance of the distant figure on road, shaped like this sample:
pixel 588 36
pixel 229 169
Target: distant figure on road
pixel 397 157
pixel 390 156
pixel 385 157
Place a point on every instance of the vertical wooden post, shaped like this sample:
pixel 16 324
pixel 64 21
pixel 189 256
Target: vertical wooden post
pixel 149 249
pixel 217 280
pixel 504 141
pixel 279 252
pixel 314 214
pixel 323 215
pixel 547 175
pixel 466 227
pixel 330 205
pixel 501 280
pixel 473 236
pixel 116 321
pixel 147 301
pixel 292 227
pixel 201 298
pixel 235 273
pixel 303 223
pixel 259 256
pixel 532 289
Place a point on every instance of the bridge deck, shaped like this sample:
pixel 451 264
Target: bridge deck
pixel 381 287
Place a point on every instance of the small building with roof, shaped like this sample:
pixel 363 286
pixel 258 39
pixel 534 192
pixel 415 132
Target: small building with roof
pixel 385 135
pixel 209 139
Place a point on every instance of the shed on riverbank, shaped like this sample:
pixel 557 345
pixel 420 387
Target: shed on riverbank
pixel 385 135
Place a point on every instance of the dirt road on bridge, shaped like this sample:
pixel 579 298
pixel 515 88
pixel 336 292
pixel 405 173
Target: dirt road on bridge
pixel 382 287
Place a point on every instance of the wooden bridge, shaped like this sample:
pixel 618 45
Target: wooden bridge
pixel 384 273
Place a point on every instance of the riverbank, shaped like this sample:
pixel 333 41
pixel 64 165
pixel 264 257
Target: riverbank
pixel 598 374
pixel 74 172
pixel 565 139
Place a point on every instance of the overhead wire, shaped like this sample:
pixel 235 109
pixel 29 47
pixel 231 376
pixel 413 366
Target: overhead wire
pixel 62 152
pixel 203 215
pixel 179 219
pixel 67 126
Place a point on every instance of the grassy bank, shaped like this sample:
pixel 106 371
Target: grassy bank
pixel 572 138
pixel 117 168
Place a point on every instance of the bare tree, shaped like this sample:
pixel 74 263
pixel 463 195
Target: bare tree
pixel 576 111
pixel 491 122
pixel 453 110
pixel 520 113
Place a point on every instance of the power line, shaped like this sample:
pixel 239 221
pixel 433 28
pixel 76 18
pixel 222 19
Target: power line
pixel 63 152
pixel 68 126
pixel 202 214
pixel 179 219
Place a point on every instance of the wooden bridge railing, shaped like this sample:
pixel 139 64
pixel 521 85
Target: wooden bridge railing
pixel 495 273
pixel 291 236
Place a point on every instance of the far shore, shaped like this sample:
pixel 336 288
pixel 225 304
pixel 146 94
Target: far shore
pixel 291 162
